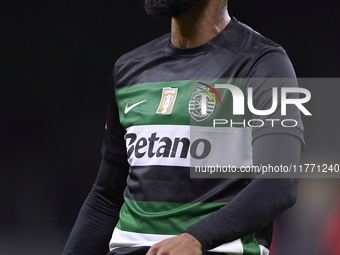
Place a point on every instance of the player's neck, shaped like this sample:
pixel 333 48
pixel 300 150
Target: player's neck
pixel 200 24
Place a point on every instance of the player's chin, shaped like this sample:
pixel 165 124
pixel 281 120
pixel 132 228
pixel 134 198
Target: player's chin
pixel 169 8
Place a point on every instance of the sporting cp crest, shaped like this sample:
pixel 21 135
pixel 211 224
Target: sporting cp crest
pixel 201 104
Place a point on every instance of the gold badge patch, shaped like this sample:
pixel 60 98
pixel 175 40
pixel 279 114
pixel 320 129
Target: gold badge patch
pixel 168 100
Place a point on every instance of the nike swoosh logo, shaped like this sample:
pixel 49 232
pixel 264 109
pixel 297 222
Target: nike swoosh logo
pixel 127 109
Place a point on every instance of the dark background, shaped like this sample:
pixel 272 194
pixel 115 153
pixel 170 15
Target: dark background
pixel 57 58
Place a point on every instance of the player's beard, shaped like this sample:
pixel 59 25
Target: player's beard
pixel 169 8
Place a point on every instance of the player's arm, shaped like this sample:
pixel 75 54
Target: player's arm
pixel 100 212
pixel 260 202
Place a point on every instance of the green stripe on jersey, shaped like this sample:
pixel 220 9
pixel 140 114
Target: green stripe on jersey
pixel 145 113
pixel 250 245
pixel 162 217
pixel 149 96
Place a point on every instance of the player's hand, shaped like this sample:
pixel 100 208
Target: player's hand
pixel 183 244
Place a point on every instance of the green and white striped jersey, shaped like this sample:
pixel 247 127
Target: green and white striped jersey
pixel 162 117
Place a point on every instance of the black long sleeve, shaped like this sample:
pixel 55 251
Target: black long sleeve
pixel 100 212
pixel 260 202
